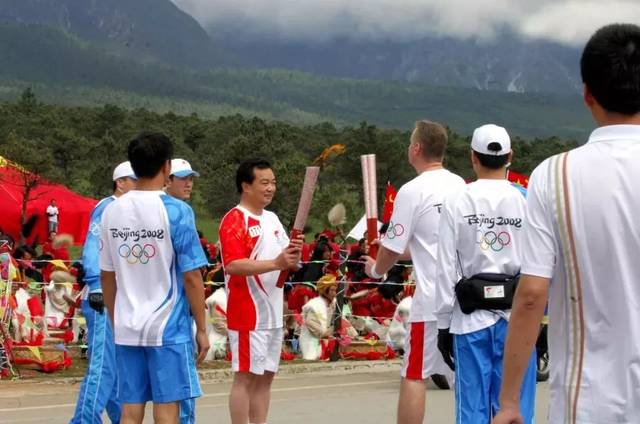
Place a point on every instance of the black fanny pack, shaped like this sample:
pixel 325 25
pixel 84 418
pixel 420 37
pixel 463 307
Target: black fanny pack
pixel 486 291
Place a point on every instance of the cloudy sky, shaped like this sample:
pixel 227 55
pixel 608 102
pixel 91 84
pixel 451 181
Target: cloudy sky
pixel 565 21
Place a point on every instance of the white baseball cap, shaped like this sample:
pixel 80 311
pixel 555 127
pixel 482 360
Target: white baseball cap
pixel 181 168
pixel 491 139
pixel 124 170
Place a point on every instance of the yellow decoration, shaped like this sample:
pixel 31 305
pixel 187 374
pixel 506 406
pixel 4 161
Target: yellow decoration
pixel 59 264
pixel 35 351
pixel 13 272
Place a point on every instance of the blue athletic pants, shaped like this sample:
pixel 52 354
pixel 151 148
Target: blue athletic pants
pixel 478 359
pixel 99 387
pixel 188 411
pixel 188 406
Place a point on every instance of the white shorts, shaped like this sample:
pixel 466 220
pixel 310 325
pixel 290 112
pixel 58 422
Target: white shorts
pixel 255 351
pixel 421 355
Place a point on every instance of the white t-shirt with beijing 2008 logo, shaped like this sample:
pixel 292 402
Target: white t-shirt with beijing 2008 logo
pixel 414 223
pixel 481 231
pixel 149 240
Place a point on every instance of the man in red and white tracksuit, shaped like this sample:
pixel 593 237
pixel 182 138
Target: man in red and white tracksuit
pixel 255 250
pixel 413 229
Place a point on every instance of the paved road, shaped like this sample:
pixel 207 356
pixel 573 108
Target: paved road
pixel 310 399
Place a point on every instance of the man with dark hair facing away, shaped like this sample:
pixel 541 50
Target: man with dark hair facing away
pixel 414 227
pixel 581 249
pixel 255 249
pixel 478 250
pixel 153 289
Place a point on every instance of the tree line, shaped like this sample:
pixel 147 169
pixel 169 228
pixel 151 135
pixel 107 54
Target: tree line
pixel 79 147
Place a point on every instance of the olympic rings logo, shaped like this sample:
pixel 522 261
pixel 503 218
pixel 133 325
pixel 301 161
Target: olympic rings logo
pixel 95 229
pixel 394 230
pixel 494 241
pixel 137 253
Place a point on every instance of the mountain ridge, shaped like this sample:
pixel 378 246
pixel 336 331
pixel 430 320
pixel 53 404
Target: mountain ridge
pixel 147 30
pixel 508 63
pixel 48 47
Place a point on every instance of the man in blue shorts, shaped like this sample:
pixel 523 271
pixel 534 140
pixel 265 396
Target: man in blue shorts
pixel 153 288
pixel 98 390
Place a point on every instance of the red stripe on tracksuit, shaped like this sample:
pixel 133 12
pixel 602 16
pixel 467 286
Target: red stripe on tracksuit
pixel 416 352
pixel 244 351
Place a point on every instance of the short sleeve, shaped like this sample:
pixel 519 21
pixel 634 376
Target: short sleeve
pixel 402 221
pixel 233 237
pixel 185 240
pixel 540 246
pixel 106 259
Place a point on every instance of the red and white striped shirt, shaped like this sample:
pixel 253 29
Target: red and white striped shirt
pixel 254 301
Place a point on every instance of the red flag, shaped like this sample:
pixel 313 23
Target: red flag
pixel 389 199
pixel 518 178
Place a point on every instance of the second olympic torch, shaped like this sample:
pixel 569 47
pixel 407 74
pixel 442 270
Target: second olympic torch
pixel 370 186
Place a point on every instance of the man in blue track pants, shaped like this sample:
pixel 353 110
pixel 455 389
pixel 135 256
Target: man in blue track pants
pixel 99 389
pixel 180 186
pixel 481 236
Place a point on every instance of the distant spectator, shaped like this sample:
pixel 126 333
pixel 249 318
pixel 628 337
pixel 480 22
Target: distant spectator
pixel 24 254
pixel 52 216
pixel 217 326
pixel 59 299
pixel 322 253
pixel 399 325
pixel 300 295
pixel 355 264
pixel 56 246
pixel 317 315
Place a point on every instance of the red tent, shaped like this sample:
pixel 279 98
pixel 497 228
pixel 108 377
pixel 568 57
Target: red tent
pixel 74 209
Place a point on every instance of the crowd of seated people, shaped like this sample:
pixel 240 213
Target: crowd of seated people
pixel 46 287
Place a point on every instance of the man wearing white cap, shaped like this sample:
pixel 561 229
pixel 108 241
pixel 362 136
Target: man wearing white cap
pixel 477 272
pixel 180 186
pixel 98 389
pixel 181 179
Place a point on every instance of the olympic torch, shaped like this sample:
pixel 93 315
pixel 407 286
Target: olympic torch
pixel 370 186
pixel 309 185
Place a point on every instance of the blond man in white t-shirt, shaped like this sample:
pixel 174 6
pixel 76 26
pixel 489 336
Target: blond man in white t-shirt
pixel 582 242
pixel 413 230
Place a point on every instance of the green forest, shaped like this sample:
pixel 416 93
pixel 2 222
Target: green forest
pixel 79 146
